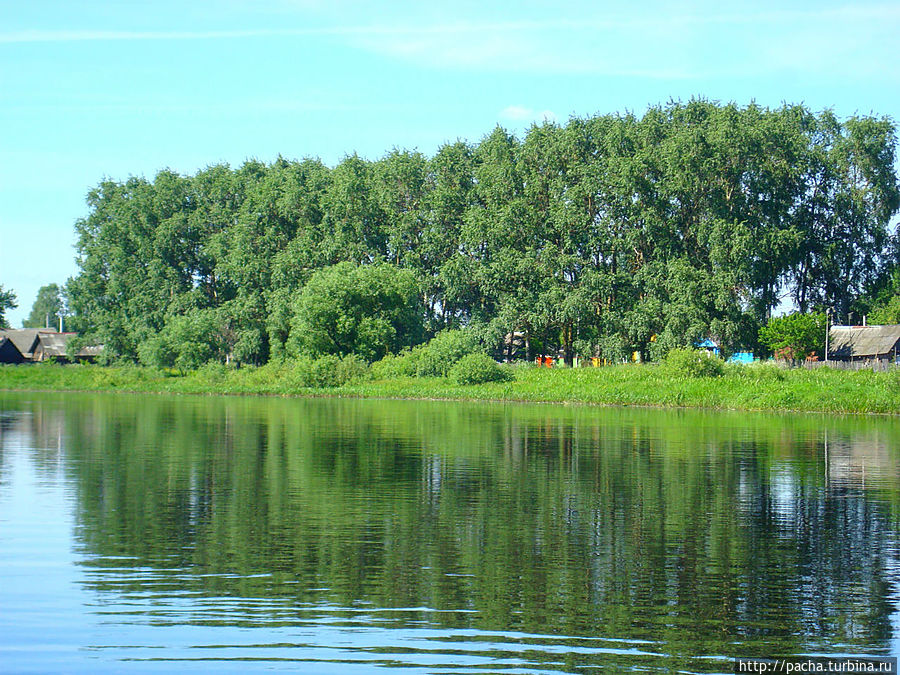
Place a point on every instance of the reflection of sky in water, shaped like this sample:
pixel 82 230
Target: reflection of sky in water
pixel 54 617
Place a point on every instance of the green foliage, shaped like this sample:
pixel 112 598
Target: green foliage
pixel 7 301
pixel 46 308
pixel 795 336
pixel 187 342
pixel 436 358
pixel 329 370
pixel 477 369
pixel 688 362
pixel 366 310
pixel 589 237
pixel 886 313
pixel 404 364
pixel 752 387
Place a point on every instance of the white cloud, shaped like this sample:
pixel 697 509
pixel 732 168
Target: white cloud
pixel 518 113
pixel 656 42
pixel 107 35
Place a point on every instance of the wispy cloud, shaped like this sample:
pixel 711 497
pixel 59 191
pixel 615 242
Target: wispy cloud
pixel 106 35
pixel 518 113
pixel 664 44
pixel 658 44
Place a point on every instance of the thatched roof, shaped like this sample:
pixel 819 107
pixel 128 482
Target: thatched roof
pixel 846 342
pixel 25 339
pixel 38 343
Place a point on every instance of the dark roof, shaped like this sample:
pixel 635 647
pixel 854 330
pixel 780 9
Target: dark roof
pixel 9 353
pixel 48 341
pixel 862 341
pixel 25 339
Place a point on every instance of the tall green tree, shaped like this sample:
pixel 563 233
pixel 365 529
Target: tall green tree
pixel 7 301
pixel 46 308
pixel 603 235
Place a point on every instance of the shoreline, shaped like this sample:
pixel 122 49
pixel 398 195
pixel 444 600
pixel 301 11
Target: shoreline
pixel 743 389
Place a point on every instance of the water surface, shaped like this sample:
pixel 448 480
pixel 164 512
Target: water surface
pixel 149 533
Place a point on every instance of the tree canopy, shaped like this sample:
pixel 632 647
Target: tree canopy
pixel 605 235
pixel 7 301
pixel 794 336
pixel 46 308
pixel 369 310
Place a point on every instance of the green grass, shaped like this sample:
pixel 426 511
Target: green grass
pixel 759 387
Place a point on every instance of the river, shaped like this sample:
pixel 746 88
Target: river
pixel 173 534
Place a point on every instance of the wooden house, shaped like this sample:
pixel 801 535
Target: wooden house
pixel 864 343
pixel 40 344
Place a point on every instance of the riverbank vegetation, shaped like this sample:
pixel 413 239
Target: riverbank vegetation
pixel 603 237
pixel 679 381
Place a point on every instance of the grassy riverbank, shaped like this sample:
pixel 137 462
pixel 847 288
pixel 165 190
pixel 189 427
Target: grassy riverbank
pixel 741 387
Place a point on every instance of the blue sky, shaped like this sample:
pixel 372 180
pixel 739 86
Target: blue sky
pixel 116 88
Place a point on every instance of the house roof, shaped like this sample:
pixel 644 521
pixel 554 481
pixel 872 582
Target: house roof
pixel 851 341
pixel 54 344
pixel 25 339
pixel 51 343
pixel 9 353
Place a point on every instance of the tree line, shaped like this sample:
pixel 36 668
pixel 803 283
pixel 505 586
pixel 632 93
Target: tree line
pixel 602 236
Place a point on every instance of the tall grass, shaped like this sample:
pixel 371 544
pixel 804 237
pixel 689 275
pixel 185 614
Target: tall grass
pixel 758 387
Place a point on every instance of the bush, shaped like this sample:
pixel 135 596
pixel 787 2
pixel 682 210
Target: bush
pixel 327 371
pixel 477 369
pixel 351 369
pixel 762 371
pixel 436 358
pixel 403 364
pixel 694 363
pixel 213 372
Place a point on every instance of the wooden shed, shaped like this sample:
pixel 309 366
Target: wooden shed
pixel 35 345
pixel 26 340
pixel 864 343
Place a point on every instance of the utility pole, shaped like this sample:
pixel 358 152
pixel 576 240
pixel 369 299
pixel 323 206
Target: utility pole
pixel 827 317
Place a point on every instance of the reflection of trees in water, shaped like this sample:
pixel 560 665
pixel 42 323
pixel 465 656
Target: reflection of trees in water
pixel 41 427
pixel 689 528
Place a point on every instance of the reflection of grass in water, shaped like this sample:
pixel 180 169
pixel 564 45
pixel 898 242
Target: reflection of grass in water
pixel 741 387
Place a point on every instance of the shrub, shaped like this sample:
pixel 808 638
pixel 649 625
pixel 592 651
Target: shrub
pixel 477 369
pixel 213 372
pixel 436 358
pixel 327 371
pixel 763 371
pixel 403 364
pixel 694 363
pixel 351 368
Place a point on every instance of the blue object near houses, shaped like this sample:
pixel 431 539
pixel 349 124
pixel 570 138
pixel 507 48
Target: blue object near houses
pixel 709 346
pixel 741 357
